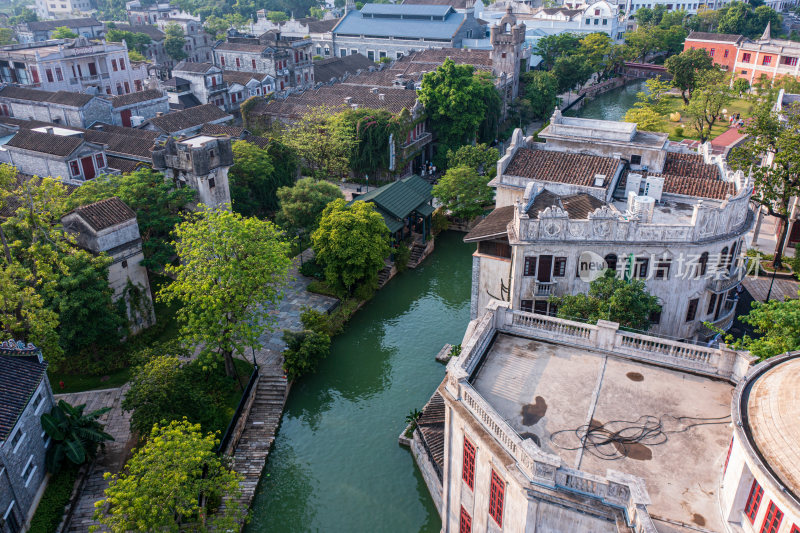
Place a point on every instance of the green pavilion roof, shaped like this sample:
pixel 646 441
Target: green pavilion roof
pixel 397 200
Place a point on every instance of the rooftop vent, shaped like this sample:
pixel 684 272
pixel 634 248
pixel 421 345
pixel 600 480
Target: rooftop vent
pixel 50 130
pixel 374 90
pixel 599 180
pixel 381 96
pixel 348 99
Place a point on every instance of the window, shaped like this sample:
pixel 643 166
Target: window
pixel 662 269
pixel 712 302
pixel 655 317
pixel 238 63
pixel 596 12
pixel 211 183
pixel 465 524
pixel 253 63
pixel 496 493
pixel 122 64
pixel 772 521
pixel 753 501
pixel 399 55
pixel 35 75
pixel 636 160
pixel 641 267
pixel 529 268
pixel 605 22
pixel 691 311
pixel 795 529
pixel 353 51
pixel 49 74
pixel 725 55
pixel 745 59
pixel 222 60
pixel 16 439
pixel 371 54
pixel 468 468
pixel 74 169
pixel 27 472
pixel 596 22
pixel 127 87
pixel 59 74
pixel 790 61
pixel 560 267
pixel 4 110
pixel 702 265
pixel 37 402
pixel 98 159
pixel 611 261
pixel 114 65
pixel 526 306
pixel 767 60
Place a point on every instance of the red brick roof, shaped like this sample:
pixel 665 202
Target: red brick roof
pixel 691 165
pixel 562 167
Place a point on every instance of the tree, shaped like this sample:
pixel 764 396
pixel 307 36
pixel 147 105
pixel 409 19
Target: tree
pixel 458 100
pixel 640 43
pixel 650 17
pixel 463 192
pixel 63 32
pixel 216 26
pixel 351 243
pixel 777 324
pixel 687 68
pixel 777 179
pixel 650 107
pixel 571 72
pixel 541 91
pixel 551 47
pixel 277 16
pixel 136 41
pixel 301 206
pixel 741 86
pixel 304 350
pixel 75 436
pixel 707 102
pixel 481 158
pixel 6 36
pixel 595 48
pixel 646 118
pixel 253 180
pixel 733 18
pixel 157 203
pixel 231 270
pixel 175 42
pixel 761 16
pixel 322 142
pixel 611 298
pixel 175 481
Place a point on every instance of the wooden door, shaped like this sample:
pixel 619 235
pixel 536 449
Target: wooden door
pixel 545 267
pixel 126 117
pixel 88 168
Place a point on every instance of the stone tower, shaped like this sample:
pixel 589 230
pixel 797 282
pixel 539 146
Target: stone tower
pixel 507 38
pixel 200 162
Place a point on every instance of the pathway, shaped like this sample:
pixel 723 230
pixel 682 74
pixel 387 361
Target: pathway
pixel 117 423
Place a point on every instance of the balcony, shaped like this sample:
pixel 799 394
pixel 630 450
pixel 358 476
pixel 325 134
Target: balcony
pixel 724 322
pixel 416 144
pixel 545 288
pixel 730 281
pixel 218 87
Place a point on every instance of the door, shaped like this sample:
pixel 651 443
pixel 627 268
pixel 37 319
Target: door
pixel 126 117
pixel 545 266
pixel 92 69
pixel 88 168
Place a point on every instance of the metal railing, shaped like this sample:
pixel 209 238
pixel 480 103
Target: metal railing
pixel 228 435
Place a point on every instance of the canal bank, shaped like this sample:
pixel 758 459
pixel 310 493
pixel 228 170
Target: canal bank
pixel 610 105
pixel 336 464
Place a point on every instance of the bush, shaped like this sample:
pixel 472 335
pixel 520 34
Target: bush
pixel 440 222
pixel 679 131
pixel 311 269
pixel 55 498
pixel 365 291
pixel 795 263
pixel 317 321
pixel 320 287
pixel 304 350
pixel 455 350
pixel 401 256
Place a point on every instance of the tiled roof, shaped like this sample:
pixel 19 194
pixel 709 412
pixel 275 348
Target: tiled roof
pixel 20 375
pixel 383 25
pixel 336 67
pixel 494 225
pixel 105 213
pixel 712 188
pixel 319 26
pixel 187 66
pixel 47 25
pixel 188 118
pixel 123 165
pixel 222 129
pixel 721 37
pixel 241 47
pixel 562 167
pixel 261 142
pixel 137 97
pixel 393 100
pixel 35 95
pixel 241 77
pixel 151 31
pixel 122 143
pixel 431 427
pixel 691 165
pixel 45 143
pixel 419 10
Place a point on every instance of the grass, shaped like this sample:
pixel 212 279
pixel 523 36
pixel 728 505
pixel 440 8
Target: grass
pixel 55 498
pixel 675 103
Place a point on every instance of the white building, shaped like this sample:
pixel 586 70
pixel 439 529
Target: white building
pixel 629 199
pixel 62 9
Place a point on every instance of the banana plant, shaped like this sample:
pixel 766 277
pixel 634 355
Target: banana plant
pixel 75 436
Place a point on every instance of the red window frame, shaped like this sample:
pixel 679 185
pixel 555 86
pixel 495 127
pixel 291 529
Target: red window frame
pixel 725 55
pixel 49 73
pixel 711 52
pixel 753 501
pixel 468 465
pixel 74 168
pixel 465 523
pixel 497 491
pixel 795 529
pixel 529 266
pixel 127 87
pixel 99 161
pixel 35 75
pixel 254 63
pixel 772 519
pixel 238 63
pixel 222 60
pixel 745 58
pixel 122 64
pixel 766 61
pixel 728 457
pixel 114 65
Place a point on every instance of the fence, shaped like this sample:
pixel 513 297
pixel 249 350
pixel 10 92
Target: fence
pixel 236 425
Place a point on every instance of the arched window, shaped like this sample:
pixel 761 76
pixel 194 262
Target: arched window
pixel 611 261
pixel 702 264
pixel 723 259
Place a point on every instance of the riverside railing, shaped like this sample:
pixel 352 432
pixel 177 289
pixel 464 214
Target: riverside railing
pixel 236 420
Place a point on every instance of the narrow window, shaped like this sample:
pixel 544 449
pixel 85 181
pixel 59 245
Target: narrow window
pixel 127 87
pixel 711 52
pixel 38 401
pixel 712 302
pixel 222 60
pixel 642 267
pixel 468 469
pixel 529 268
pixel 753 501
pixel 702 265
pixel 49 73
pixel 238 63
pixel 114 65
pixel 211 183
pixel 122 64
pixel 16 439
pixel 662 269
pixel 496 494
pixel 59 74
pixel 74 168
pixel 691 312
pixel 725 55
pixel 465 524
pixel 35 75
pixel 98 158
pixel 772 521
pixel 560 267
pixel 254 64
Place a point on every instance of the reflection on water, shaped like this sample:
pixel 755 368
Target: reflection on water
pixel 611 105
pixel 336 464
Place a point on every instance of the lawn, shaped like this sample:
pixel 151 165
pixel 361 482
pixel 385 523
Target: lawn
pixel 675 103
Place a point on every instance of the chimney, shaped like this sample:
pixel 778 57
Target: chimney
pixel 381 96
pixel 50 130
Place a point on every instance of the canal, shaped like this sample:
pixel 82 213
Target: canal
pixel 336 464
pixel 611 105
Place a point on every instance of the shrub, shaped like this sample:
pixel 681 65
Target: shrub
pixel 440 222
pixel 55 498
pixel 320 287
pixel 318 321
pixel 401 256
pixel 679 131
pixel 455 350
pixel 795 263
pixel 366 291
pixel 304 350
pixel 311 269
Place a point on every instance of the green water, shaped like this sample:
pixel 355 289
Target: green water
pixel 336 464
pixel 611 105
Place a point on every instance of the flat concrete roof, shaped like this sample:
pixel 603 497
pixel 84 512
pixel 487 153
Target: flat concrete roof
pixel 669 213
pixel 548 391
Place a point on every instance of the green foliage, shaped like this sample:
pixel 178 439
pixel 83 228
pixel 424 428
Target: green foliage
pixel 175 42
pixel 318 321
pixel 650 106
pixel 253 180
pixel 741 86
pixel 481 157
pixel 165 389
pixel 541 92
pixel 51 507
pixel 687 69
pixel 231 270
pixel 646 118
pixel 6 36
pixel 439 221
pixel 156 202
pixel 351 243
pixel 311 269
pixel 458 101
pixel 402 253
pixel 277 16
pixel 301 206
pixel 572 72
pixel 747 19
pixel 304 350
pixel 777 325
pixel 708 100
pixel 610 298
pixel 135 41
pixel 75 436
pixel 63 32
pixel 218 26
pixel 795 263
pixel 322 142
pixel 463 192
pixel 455 351
pixel 551 47
pixel 174 482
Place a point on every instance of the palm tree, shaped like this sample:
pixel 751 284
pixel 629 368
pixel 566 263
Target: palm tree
pixel 76 436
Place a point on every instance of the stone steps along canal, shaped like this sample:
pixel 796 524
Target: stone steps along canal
pixel 336 465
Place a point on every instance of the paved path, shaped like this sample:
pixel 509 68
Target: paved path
pixel 117 423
